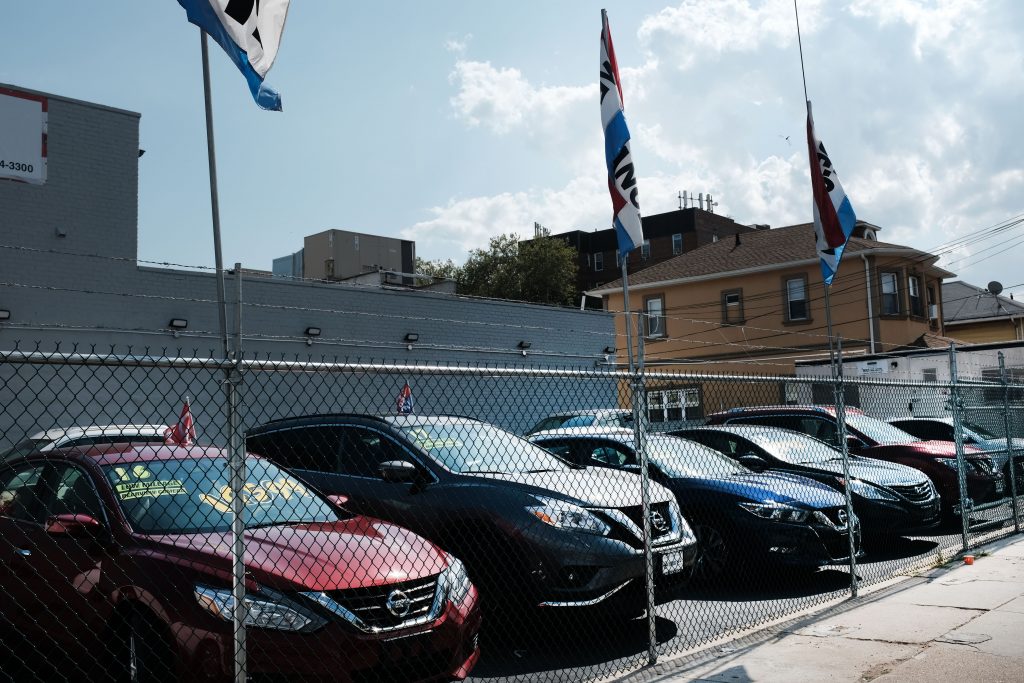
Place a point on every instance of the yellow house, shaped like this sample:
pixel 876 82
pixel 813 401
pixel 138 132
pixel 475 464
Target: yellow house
pixel 981 316
pixel 755 303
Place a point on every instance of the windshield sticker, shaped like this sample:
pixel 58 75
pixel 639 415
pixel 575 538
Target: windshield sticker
pixel 255 494
pixel 150 489
pixel 425 441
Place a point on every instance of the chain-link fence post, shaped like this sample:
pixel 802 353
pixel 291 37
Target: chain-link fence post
pixel 956 407
pixel 236 465
pixel 841 420
pixel 1010 450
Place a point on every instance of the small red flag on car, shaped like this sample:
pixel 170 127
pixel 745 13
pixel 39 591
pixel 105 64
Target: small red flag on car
pixel 405 400
pixel 184 432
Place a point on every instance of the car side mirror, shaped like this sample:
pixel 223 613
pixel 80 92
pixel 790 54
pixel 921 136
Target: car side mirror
pixel 74 526
pixel 337 499
pixel 853 443
pixel 398 472
pixel 753 462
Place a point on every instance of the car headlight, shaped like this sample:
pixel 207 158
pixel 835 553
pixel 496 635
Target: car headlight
pixel 456 581
pixel 273 612
pixel 563 515
pixel 685 532
pixel 776 513
pixel 865 490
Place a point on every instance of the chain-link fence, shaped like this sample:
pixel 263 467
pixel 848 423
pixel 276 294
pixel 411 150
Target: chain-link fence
pixel 169 518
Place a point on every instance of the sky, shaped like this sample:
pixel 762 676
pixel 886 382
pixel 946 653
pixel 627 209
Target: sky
pixel 452 122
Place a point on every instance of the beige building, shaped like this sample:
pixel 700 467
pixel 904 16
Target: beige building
pixel 755 303
pixel 340 255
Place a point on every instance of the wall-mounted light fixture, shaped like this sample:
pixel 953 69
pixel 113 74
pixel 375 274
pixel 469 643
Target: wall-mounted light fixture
pixel 312 331
pixel 524 345
pixel 411 337
pixel 177 324
pixel 609 349
pixel 5 315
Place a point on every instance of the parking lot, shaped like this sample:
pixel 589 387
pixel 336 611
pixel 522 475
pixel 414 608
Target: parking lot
pixel 570 511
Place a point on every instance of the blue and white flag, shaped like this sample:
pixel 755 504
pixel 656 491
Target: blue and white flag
pixel 834 218
pixel 621 176
pixel 250 32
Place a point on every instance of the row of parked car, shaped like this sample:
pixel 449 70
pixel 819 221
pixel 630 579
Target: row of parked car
pixel 358 527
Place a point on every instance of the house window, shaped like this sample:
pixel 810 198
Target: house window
pixel 732 306
pixel 673 405
pixel 914 293
pixel 654 318
pixel 930 375
pixel 599 261
pixel 796 298
pixel 645 250
pixel 890 294
pixel 677 243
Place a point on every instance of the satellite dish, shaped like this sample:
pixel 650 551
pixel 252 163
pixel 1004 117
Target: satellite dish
pixel 995 287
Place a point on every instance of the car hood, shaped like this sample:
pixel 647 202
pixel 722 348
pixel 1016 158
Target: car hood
pixel 765 487
pixel 354 553
pixel 875 471
pixel 594 487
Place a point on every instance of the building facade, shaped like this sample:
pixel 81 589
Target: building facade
pixel 980 316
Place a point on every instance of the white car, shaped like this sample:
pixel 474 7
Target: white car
pixel 64 437
pixel 597 417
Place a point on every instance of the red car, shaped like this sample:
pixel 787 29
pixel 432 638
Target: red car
pixel 873 438
pixel 118 557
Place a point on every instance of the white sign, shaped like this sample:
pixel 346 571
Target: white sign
pixel 22 136
pixel 873 367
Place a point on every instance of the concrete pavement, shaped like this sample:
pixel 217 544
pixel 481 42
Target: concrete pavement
pixel 955 623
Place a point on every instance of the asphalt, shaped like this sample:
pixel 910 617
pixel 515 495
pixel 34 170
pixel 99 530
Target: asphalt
pixel 958 622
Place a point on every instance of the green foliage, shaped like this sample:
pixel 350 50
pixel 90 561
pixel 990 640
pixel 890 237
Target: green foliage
pixel 539 271
pixel 441 270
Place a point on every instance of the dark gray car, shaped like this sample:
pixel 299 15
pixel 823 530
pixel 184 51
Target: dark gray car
pixel 532 529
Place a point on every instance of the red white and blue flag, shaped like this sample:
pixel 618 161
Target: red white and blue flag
pixel 621 176
pixel 184 432
pixel 833 214
pixel 405 400
pixel 250 32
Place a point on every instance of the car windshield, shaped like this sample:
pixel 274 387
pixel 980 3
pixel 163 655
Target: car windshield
pixel 472 447
pixel 878 431
pixel 794 448
pixel 193 495
pixel 685 458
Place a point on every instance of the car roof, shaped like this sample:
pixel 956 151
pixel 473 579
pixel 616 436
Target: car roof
pixel 335 418
pixel 618 433
pixel 56 434
pixel 746 431
pixel 943 420
pixel 121 453
pixel 782 408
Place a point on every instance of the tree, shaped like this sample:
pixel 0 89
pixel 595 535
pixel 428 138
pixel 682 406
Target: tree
pixel 539 270
pixel 439 270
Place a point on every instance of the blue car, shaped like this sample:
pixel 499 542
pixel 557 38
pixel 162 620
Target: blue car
pixel 742 519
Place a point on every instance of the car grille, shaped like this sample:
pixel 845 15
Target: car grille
pixel 636 515
pixel 370 605
pixel 835 516
pixel 916 493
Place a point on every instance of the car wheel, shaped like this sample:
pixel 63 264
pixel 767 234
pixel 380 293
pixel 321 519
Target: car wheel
pixel 712 553
pixel 141 651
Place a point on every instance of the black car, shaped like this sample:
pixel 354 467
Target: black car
pixel 889 498
pixel 743 520
pixel 533 530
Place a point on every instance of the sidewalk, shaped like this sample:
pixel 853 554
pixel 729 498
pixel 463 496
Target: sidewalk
pixel 957 623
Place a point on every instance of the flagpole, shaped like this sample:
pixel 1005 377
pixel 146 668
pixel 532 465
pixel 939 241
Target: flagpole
pixel 827 286
pixel 214 203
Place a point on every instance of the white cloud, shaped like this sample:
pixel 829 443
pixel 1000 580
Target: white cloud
pixel 701 28
pixel 939 25
pixel 503 99
pixel 458 45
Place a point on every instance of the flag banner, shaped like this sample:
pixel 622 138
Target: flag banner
pixel 250 32
pixel 621 176
pixel 184 432
pixel 833 214
pixel 405 400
